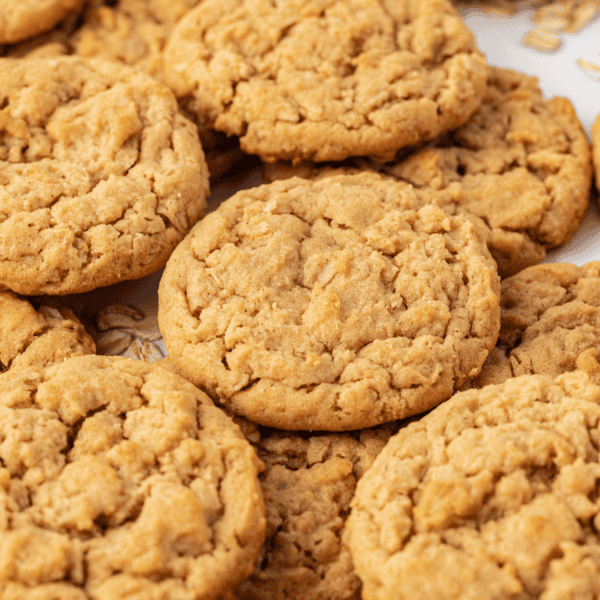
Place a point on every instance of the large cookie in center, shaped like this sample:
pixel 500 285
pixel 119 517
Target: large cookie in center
pixel 333 304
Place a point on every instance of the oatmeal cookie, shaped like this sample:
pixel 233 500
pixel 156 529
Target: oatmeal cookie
pixel 492 495
pixel 521 166
pixel 329 305
pixel 550 314
pixel 596 149
pixel 133 32
pixel 39 337
pixel 120 479
pixel 326 79
pixel 20 19
pixel 308 483
pixel 100 175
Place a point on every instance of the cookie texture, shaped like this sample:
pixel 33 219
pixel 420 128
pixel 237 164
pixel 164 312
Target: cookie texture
pixel 39 336
pixel 120 479
pixel 329 305
pixel 550 314
pixel 326 79
pixel 308 483
pixel 100 175
pixel 133 32
pixel 20 20
pixel 521 166
pixel 492 495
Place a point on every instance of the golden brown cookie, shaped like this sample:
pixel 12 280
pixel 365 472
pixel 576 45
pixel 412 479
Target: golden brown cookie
pixel 100 175
pixel 550 314
pixel 119 480
pixel 38 337
pixel 308 483
pixel 521 166
pixel 22 19
pixel 329 305
pixel 326 79
pixel 133 32
pixel 492 495
pixel 596 149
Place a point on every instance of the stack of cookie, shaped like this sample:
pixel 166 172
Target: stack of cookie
pixel 371 389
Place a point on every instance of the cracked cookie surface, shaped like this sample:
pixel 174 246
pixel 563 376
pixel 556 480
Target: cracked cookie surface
pixel 521 166
pixel 308 483
pixel 326 79
pixel 38 337
pixel 549 316
pixel 333 304
pixel 121 479
pixel 492 495
pixel 100 175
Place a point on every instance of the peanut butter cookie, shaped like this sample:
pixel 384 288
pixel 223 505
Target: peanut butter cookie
pixel 120 479
pixel 39 337
pixel 20 19
pixel 521 166
pixel 329 305
pixel 326 79
pixel 492 495
pixel 550 314
pixel 308 483
pixel 100 175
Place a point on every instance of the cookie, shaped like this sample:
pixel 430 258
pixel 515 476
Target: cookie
pixel 521 166
pixel 550 314
pixel 596 149
pixel 132 32
pixel 38 337
pixel 21 20
pixel 308 483
pixel 326 79
pixel 120 479
pixel 329 305
pixel 494 494
pixel 100 175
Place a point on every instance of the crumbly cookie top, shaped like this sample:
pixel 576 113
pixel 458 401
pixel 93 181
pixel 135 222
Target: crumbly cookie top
pixel 38 337
pixel 100 175
pixel 333 304
pixel 308 483
pixel 326 79
pixel 550 314
pixel 492 495
pixel 521 164
pixel 120 478
pixel 22 19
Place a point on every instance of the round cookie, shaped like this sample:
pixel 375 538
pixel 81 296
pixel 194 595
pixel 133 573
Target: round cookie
pixel 308 483
pixel 100 175
pixel 596 149
pixel 38 337
pixel 120 479
pixel 492 495
pixel 20 19
pixel 550 314
pixel 521 166
pixel 329 305
pixel 326 79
